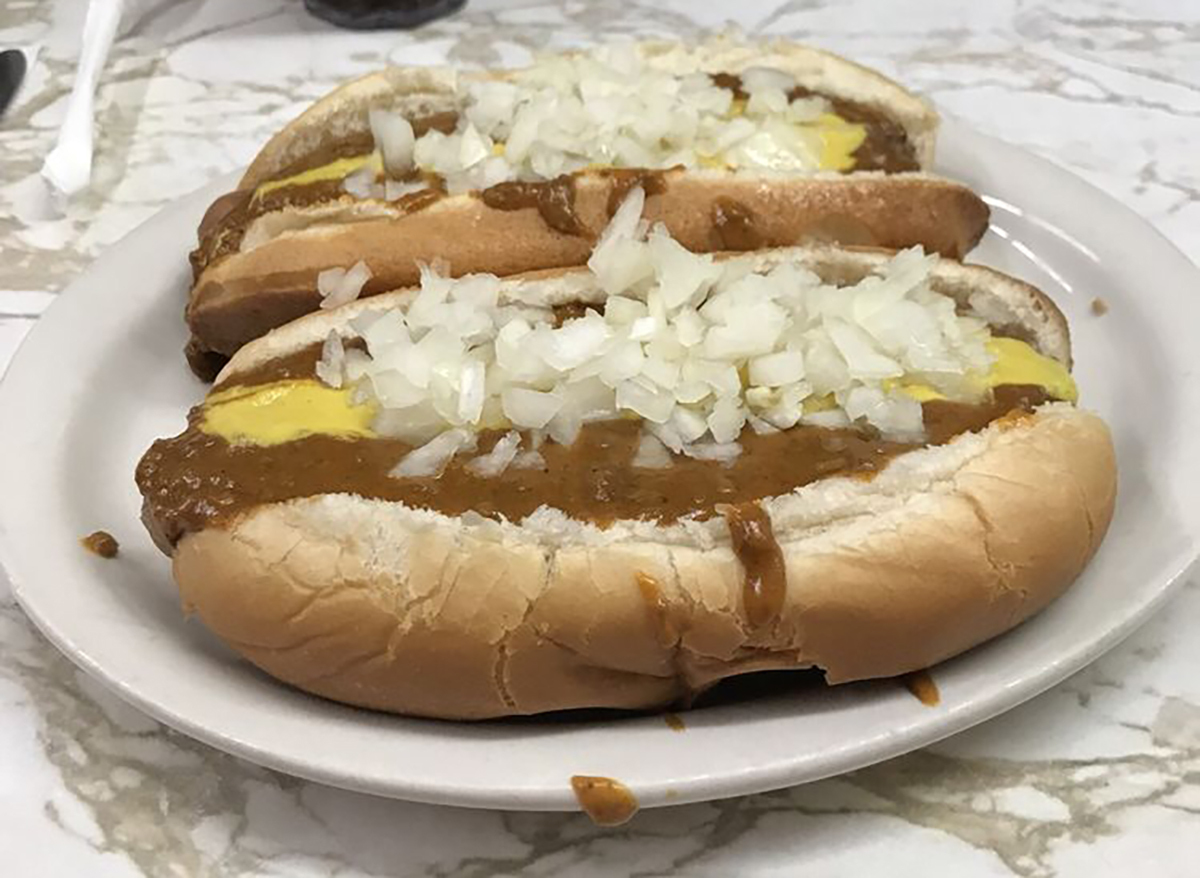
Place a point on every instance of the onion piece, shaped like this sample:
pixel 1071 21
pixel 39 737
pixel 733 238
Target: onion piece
pixel 756 79
pixel 497 460
pixel 565 426
pixel 860 354
pixel 432 458
pixel 653 405
pixel 724 452
pixel 727 419
pixel 690 423
pixel 394 190
pixel 620 259
pixel 767 102
pixel 528 460
pixel 362 183
pixel 414 424
pixel 832 419
pixel 682 275
pixel 667 435
pixel 471 389
pixel 777 369
pixel 333 360
pixel 529 408
pixel 473 148
pixel 620 310
pixel 394 138
pixel 894 414
pixel 760 426
pixel 340 286
pixel 651 454
pixel 576 342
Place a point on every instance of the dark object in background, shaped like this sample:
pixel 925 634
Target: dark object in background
pixel 12 73
pixel 377 14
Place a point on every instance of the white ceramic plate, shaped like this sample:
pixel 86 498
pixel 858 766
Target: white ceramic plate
pixel 102 375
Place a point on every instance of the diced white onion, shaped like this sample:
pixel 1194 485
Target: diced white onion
pixel 756 79
pixel 471 391
pixel 832 419
pixel 433 457
pixel 531 409
pixel 760 426
pixel 576 342
pixel 653 405
pixel 528 460
pixel 394 190
pixel 362 183
pixel 727 419
pixel 339 286
pixel 689 423
pixel 862 358
pixel 664 373
pixel 894 414
pixel 497 460
pixel 682 275
pixel 779 368
pixel 333 360
pixel 568 112
pixel 643 328
pixel 620 259
pixel 695 349
pixel 394 138
pixel 766 102
pixel 651 454
pixel 725 452
pixel 565 426
pixel 473 148
pixel 620 310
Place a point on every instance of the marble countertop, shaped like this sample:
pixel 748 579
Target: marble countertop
pixel 1099 776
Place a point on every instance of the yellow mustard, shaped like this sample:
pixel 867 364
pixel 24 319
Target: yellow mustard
pixel 279 412
pixel 338 169
pixel 1018 363
pixel 839 140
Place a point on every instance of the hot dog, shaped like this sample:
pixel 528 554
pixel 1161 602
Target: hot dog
pixel 739 146
pixel 613 486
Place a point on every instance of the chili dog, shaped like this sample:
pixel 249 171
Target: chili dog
pixel 613 486
pixel 738 147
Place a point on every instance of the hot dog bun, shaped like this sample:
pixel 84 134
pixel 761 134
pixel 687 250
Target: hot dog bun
pixel 404 611
pixel 408 610
pixel 420 90
pixel 269 276
pixel 245 295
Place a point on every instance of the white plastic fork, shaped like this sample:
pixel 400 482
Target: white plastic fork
pixel 68 167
